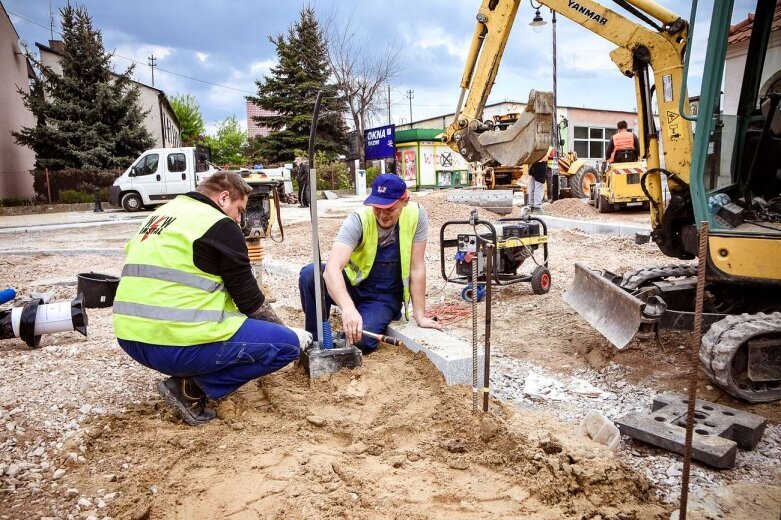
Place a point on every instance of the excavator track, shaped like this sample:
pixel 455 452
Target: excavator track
pixel 635 278
pixel 724 357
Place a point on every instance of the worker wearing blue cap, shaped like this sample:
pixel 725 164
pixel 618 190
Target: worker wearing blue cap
pixel 376 265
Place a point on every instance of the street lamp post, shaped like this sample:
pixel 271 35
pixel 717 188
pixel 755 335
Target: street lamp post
pixel 537 23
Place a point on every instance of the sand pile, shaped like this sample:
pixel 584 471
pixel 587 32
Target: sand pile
pixel 388 440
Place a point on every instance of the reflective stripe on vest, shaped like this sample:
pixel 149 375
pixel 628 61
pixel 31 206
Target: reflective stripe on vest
pixel 155 312
pixel 362 259
pixel 171 275
pixel 163 298
pixel 623 140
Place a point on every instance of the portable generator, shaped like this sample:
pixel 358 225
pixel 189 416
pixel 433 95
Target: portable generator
pixel 514 240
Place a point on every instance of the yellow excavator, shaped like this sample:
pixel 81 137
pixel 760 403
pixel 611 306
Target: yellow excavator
pixel 728 176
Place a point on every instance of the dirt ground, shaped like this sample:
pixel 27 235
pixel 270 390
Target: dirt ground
pixel 83 433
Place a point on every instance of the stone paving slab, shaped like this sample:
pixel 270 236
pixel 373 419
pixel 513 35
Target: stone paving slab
pixel 718 430
pixel 450 355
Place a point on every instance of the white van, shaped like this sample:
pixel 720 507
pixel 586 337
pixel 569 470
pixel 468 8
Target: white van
pixel 160 174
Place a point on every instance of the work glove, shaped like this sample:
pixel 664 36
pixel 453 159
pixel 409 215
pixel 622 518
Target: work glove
pixel 305 338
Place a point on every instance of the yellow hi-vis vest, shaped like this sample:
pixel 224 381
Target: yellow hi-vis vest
pixel 362 259
pixel 162 297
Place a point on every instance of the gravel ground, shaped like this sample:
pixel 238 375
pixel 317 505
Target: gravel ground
pixel 52 399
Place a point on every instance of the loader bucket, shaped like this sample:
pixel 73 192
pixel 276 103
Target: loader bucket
pixel 615 313
pixel 497 201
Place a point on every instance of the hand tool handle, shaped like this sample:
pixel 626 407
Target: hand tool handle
pixel 383 339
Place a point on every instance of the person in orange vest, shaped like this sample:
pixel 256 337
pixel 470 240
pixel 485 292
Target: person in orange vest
pixel 624 146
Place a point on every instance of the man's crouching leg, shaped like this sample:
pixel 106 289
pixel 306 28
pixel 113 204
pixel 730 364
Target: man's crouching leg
pixel 258 348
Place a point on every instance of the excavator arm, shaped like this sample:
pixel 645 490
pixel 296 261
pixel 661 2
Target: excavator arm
pixel 639 51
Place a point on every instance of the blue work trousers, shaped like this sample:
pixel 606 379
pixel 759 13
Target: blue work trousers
pixel 220 368
pixel 377 308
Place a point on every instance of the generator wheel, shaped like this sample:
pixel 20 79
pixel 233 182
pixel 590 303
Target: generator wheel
pixel 541 280
pixel 603 204
pixel 580 184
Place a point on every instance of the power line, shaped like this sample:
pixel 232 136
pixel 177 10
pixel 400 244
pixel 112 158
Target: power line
pixel 141 63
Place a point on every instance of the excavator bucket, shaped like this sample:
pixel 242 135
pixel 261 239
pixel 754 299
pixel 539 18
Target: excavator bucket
pixel 615 313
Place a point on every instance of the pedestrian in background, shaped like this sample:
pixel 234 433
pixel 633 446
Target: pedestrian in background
pixel 538 172
pixel 302 176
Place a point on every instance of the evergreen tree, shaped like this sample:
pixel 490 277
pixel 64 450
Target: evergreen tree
pixel 188 112
pixel 290 92
pixel 86 117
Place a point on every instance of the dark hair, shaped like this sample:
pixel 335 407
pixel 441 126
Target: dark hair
pixel 622 125
pixel 224 181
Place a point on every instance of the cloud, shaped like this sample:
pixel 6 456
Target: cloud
pixel 202 56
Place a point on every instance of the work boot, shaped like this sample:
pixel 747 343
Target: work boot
pixel 187 399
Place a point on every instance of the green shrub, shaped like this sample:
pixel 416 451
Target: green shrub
pixel 81 181
pixel 371 174
pixel 74 197
pixel 17 201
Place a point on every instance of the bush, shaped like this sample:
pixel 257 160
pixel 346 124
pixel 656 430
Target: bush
pixel 332 175
pixel 74 197
pixel 80 181
pixel 17 201
pixel 371 174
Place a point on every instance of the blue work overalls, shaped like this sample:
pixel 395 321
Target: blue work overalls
pixel 378 298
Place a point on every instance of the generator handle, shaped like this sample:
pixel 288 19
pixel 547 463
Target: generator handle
pixel 471 222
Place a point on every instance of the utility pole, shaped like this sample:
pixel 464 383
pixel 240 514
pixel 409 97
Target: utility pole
pixel 152 64
pixel 410 95
pixel 389 114
pixel 51 20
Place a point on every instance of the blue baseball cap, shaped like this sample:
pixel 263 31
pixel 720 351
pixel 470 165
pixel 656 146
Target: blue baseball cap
pixel 387 189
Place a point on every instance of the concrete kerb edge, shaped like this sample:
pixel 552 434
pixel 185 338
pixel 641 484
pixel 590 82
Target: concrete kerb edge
pixel 593 227
pixel 452 357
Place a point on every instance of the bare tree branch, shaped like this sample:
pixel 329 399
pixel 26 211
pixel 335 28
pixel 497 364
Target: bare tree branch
pixel 361 71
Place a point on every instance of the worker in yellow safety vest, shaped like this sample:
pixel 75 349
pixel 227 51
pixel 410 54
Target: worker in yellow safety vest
pixel 376 264
pixel 189 306
pixel 624 146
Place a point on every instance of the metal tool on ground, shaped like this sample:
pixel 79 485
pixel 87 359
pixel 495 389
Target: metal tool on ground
pixel 383 338
pixel 514 241
pixel 324 357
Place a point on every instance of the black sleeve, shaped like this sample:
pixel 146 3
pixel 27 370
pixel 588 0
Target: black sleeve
pixel 637 145
pixel 609 149
pixel 222 251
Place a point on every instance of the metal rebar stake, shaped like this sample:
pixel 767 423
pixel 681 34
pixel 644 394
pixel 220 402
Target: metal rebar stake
pixel 694 363
pixel 489 276
pixel 474 332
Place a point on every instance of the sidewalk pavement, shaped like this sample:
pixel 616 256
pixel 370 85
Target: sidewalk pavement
pixel 291 214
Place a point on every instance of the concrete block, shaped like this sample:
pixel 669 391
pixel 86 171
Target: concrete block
pixel 718 430
pixel 450 355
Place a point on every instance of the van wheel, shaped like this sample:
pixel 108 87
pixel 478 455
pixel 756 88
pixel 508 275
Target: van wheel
pixel 132 202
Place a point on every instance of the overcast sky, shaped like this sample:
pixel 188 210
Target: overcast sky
pixel 215 49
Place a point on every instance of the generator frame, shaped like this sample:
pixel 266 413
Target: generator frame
pixel 499 279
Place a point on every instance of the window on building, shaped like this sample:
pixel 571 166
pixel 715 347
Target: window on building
pixel 176 162
pixel 590 141
pixel 147 165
